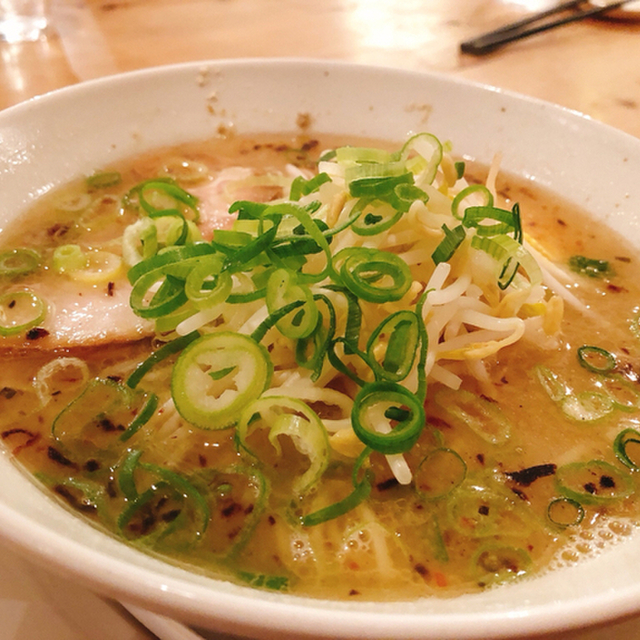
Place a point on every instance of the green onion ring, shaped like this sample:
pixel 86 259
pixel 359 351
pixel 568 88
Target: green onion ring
pixel 445 470
pixel 585 352
pixel 20 311
pixel 232 365
pixel 363 269
pixel 169 297
pixel 169 188
pixel 144 415
pixel 18 262
pixel 595 482
pixel 401 331
pixel 170 256
pixel 158 355
pixel 361 491
pixel 625 437
pixel 465 193
pixel 562 504
pixel 405 434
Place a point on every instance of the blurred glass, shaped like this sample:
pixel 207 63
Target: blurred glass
pixel 22 20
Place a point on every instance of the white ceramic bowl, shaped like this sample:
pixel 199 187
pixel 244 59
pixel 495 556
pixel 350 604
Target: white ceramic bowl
pixel 53 139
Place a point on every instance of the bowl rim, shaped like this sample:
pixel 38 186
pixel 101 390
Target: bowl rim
pixel 243 607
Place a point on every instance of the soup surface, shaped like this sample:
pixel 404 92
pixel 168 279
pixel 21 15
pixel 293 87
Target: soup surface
pixel 374 379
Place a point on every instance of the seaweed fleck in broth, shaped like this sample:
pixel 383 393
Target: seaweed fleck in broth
pixel 476 512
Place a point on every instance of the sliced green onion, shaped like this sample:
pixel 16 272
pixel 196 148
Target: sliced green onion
pixel 354 317
pixel 208 271
pixel 69 257
pixel 169 323
pixel 587 406
pixel 186 171
pixel 626 446
pixel 564 512
pixel 421 391
pixel 168 297
pixel 103 414
pixel 453 238
pixel 250 254
pixel 125 474
pixel 169 257
pixel 299 243
pixel 172 227
pixel 518 233
pixel 169 193
pixel 582 406
pixel 186 489
pixel 153 515
pixel 624 393
pixel 270 322
pixel 361 491
pixel 422 155
pixel 101 267
pixel 373 275
pixel 302 187
pixel 373 170
pixel 139 241
pixel 378 186
pixel 284 416
pixel 20 311
pixel 104 179
pixel 211 402
pixel 398 334
pixel 86 496
pixel 73 204
pixel 472 192
pixel 18 262
pixel 282 290
pixel 496 563
pixel 369 408
pixel 503 221
pixel 264 581
pixel 475 412
pixel 249 296
pixel 229 241
pixel 158 512
pixel 591 267
pixel 377 216
pixel 433 534
pixel 552 383
pixel 340 366
pixel 349 154
pixel 596 359
pixel 404 195
pixel 595 482
pixel 440 472
pixel 481 512
pixel 237 485
pixel 143 414
pixel 303 216
pixel 247 210
pixel 321 338
pixel 510 255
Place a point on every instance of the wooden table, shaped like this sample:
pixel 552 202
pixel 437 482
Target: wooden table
pixel 592 66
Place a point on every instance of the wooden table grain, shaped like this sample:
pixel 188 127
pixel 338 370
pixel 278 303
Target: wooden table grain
pixel 592 66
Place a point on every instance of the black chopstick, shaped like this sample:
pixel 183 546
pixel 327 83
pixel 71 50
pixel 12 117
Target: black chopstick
pixel 488 42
